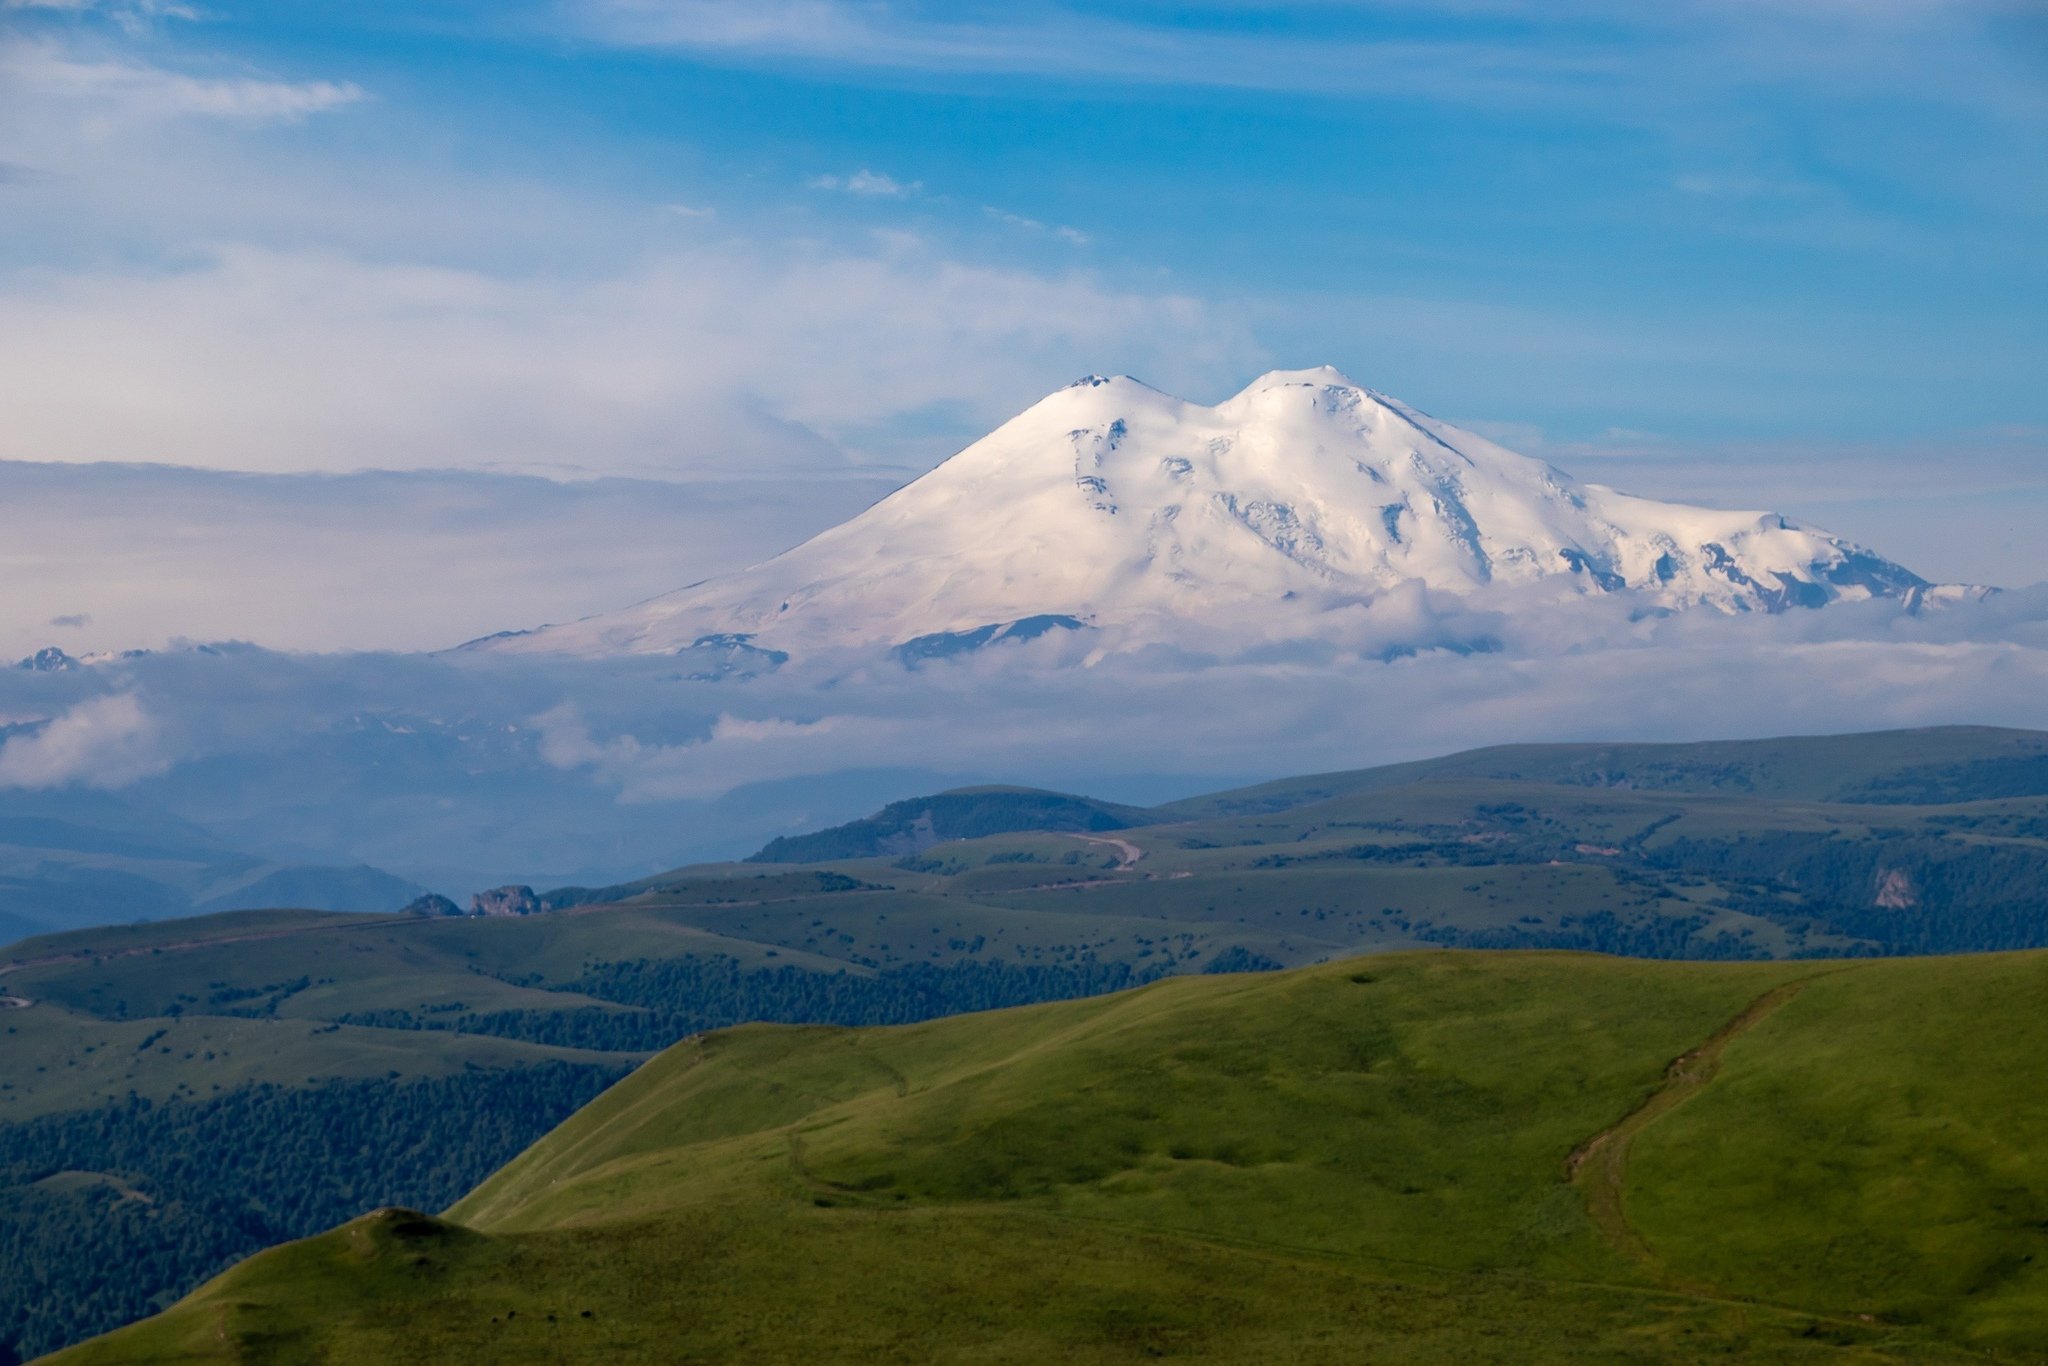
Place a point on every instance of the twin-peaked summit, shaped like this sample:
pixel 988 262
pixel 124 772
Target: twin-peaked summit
pixel 1113 506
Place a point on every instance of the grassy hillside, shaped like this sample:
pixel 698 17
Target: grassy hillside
pixel 285 996
pixel 1416 1157
pixel 1804 849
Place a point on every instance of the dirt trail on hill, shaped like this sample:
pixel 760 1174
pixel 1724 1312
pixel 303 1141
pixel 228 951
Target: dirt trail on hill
pixel 1126 851
pixel 1599 1166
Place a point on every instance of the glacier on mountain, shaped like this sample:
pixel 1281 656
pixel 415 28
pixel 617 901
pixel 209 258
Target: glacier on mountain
pixel 1113 510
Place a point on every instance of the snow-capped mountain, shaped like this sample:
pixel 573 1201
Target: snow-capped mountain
pixel 1112 506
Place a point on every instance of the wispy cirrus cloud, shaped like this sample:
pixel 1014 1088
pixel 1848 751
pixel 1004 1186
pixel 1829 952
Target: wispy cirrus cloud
pixel 167 9
pixel 1611 53
pixel 1071 236
pixel 112 91
pixel 132 16
pixel 868 184
pixel 1076 44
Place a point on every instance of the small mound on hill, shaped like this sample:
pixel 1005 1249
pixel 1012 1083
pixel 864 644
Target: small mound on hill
pixel 911 827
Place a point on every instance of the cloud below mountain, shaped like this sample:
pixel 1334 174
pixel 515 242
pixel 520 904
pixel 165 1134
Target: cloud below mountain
pixel 454 768
pixel 101 742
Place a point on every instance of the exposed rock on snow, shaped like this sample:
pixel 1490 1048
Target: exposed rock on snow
pixel 48 660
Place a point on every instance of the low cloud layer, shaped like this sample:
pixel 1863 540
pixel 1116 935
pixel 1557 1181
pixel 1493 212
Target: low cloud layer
pixel 460 768
pixel 102 742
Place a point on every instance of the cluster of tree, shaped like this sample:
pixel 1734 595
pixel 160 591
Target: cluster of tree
pixel 1238 958
pixel 711 891
pixel 110 1214
pixel 671 998
pixel 1452 851
pixel 1905 894
pixel 1657 936
pixel 1980 780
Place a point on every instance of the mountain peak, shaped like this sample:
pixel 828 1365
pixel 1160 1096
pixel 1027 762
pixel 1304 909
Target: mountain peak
pixel 1115 386
pixel 1320 376
pixel 1112 508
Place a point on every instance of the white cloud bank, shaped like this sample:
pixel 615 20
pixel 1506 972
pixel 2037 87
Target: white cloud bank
pixel 555 769
pixel 103 742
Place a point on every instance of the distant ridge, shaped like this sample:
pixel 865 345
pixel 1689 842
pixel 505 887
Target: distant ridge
pixel 1896 767
pixel 1889 767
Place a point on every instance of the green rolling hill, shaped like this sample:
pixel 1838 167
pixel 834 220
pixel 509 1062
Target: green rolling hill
pixel 1412 1157
pixel 131 1048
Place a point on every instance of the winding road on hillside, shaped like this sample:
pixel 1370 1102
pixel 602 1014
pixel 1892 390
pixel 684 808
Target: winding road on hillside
pixel 1126 851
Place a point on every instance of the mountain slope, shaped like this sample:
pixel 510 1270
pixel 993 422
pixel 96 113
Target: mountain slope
pixel 1425 1157
pixel 1112 506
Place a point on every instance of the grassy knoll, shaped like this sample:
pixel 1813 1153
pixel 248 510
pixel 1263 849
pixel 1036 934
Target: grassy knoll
pixel 1368 1160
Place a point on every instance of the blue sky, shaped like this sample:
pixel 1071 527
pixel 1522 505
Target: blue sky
pixel 1786 253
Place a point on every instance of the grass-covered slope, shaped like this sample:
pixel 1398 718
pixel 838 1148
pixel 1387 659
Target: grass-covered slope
pixel 1415 1157
pixel 1927 841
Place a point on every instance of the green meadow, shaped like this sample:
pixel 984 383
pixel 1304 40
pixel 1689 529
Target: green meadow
pixel 1418 1156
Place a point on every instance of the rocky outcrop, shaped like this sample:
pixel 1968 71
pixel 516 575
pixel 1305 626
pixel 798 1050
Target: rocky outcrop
pixel 507 900
pixel 1895 890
